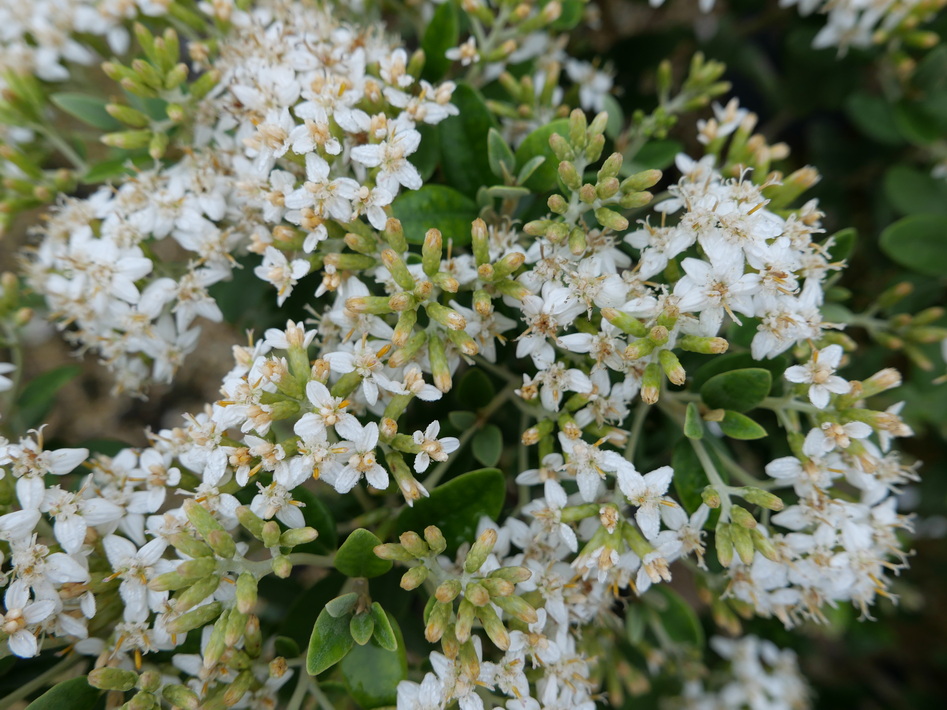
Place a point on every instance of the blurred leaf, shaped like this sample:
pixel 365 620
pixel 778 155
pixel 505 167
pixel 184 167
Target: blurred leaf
pixel 88 109
pixel 435 207
pixel 457 506
pixel 475 389
pixel 38 396
pixel 74 694
pixel 739 390
pixel 372 673
pixel 536 145
pixel 329 643
pixel 911 190
pixel 918 242
pixel 487 445
pixel 464 158
pixel 740 426
pixel 356 557
pixel 442 33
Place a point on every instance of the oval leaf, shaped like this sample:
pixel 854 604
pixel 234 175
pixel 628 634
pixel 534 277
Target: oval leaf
pixel 919 243
pixel 739 390
pixel 435 206
pixel 75 694
pixel 464 158
pixel 457 506
pixel 740 426
pixel 372 673
pixel 536 144
pixel 487 445
pixel 356 557
pixel 329 643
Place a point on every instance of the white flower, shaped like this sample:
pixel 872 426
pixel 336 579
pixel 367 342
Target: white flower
pixel 819 373
pixel 432 447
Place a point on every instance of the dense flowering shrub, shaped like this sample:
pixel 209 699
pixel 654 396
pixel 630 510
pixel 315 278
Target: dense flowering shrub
pixel 582 395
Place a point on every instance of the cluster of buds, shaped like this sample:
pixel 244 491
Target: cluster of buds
pixel 474 591
pixel 159 75
pixel 582 148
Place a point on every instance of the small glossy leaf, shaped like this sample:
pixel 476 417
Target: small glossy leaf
pixel 286 647
pixel 475 389
pixel 435 206
pixel 356 557
pixel 457 506
pixel 464 159
pixel 372 673
pixel 88 109
pixel 536 144
pixel 739 390
pixel 487 445
pixel 75 694
pixel 329 643
pixel 384 635
pixel 919 243
pixel 677 616
pixel 442 33
pixel 500 154
pixel 361 626
pixel 911 191
pixel 740 426
pixel 689 477
pixel 317 515
pixel 39 395
pixel 462 420
pixel 693 426
pixel 343 605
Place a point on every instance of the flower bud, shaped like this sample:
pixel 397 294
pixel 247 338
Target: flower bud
pixel 201 616
pixel 764 499
pixel 480 550
pixel 112 679
pixel 466 613
pixel 435 538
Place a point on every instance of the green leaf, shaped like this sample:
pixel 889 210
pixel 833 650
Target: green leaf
pixel 356 557
pixel 535 145
pixel 74 694
pixel 442 33
pixel 911 191
pixel 740 426
pixel 500 154
pixel 739 390
pixel 317 515
pixel 919 243
pixel 384 635
pixel 616 117
pixel 693 426
pixel 464 158
pixel 372 673
pixel 462 420
pixel 874 117
pixel 38 396
pixel 676 615
pixel 487 445
pixel 690 478
pixel 286 647
pixel 329 643
pixel 457 506
pixel 361 626
pixel 475 389
pixel 435 206
pixel 916 123
pixel 843 244
pixel 735 361
pixel 88 109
